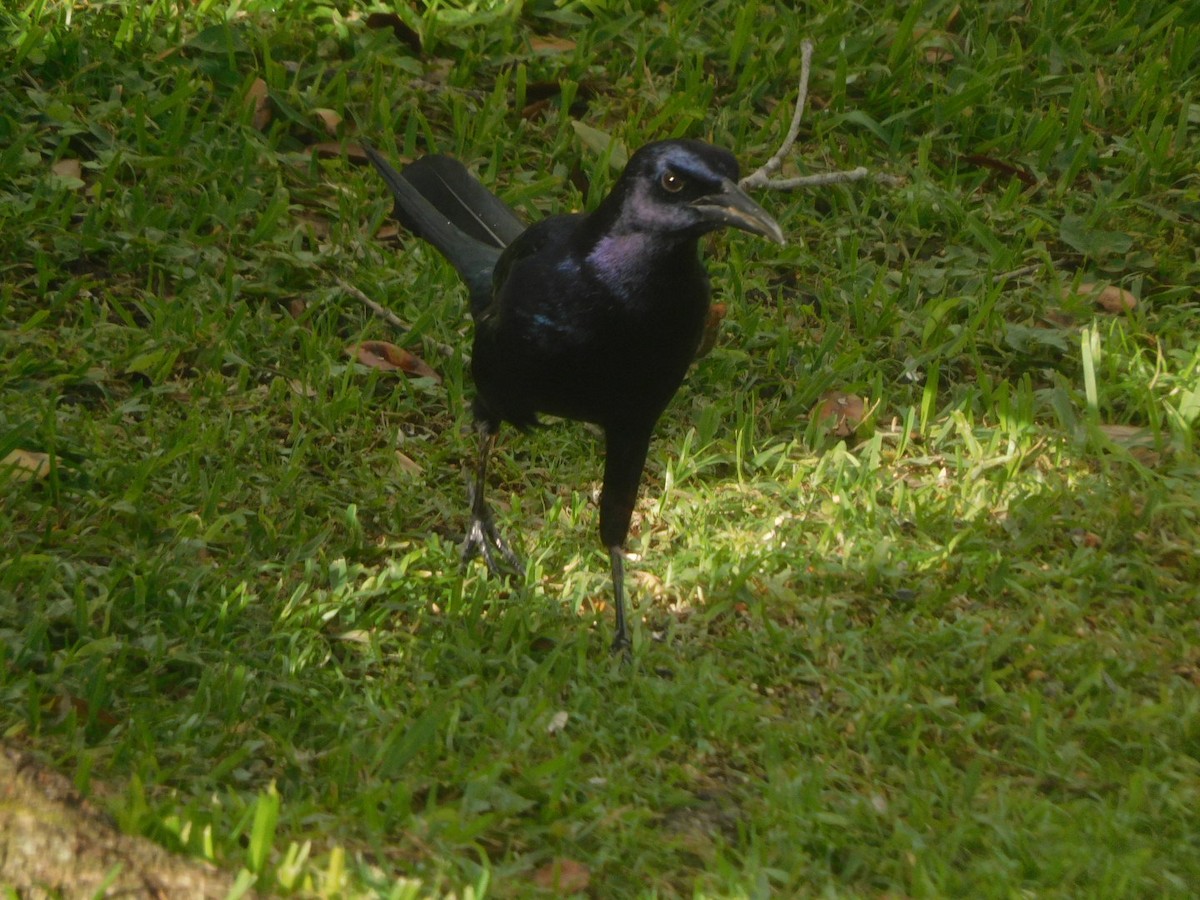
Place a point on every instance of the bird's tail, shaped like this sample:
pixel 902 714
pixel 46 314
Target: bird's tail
pixel 439 201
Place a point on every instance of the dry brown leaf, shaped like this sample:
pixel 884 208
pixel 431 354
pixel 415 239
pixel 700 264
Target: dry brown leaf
pixel 63 704
pixel 1000 165
pixel 330 119
pixel 712 328
pixel 936 46
pixel 1147 456
pixel 403 33
pixel 840 412
pixel 1142 443
pixel 563 876
pixel 258 95
pixel 1129 435
pixel 1059 318
pixel 387 357
pixel 335 150
pixel 543 43
pixel 1108 297
pixel 68 168
pixel 320 226
pixel 25 465
pixel 532 109
pixel 408 464
pixel 1116 300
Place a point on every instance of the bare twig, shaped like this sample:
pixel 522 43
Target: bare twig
pixel 823 178
pixel 762 177
pixel 390 317
pixel 1016 273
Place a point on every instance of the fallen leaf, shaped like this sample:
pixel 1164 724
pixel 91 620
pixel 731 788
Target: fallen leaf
pixel 408 464
pixel 549 44
pixel 403 33
pixel 1142 443
pixel 936 46
pixel 68 168
pixel 63 704
pixel 936 53
pixel 1058 318
pixel 320 226
pixel 529 110
pixel 712 328
pixel 840 413
pixel 258 95
pixel 336 150
pixel 542 90
pixel 1129 435
pixel 539 94
pixel 1146 456
pixel 1108 297
pixel 330 119
pixel 563 876
pixel 999 165
pixel 25 465
pixel 387 357
pixel 558 722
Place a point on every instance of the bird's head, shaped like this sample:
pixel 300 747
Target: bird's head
pixel 687 188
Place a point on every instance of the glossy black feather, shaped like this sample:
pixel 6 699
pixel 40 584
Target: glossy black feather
pixel 450 222
pixel 593 317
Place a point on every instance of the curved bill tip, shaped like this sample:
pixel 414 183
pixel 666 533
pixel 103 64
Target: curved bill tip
pixel 733 207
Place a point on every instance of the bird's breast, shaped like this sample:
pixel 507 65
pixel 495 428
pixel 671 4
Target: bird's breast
pixel 593 336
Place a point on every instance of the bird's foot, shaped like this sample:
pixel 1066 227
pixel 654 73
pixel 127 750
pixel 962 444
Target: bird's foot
pixel 622 645
pixel 484 540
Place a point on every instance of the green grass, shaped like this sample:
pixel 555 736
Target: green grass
pixel 955 654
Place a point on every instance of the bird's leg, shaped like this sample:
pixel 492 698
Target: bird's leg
pixel 482 537
pixel 624 458
pixel 621 642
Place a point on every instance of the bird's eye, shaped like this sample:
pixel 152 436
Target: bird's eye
pixel 672 182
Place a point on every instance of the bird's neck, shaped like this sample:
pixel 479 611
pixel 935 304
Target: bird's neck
pixel 628 260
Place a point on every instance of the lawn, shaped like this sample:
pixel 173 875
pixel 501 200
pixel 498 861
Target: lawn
pixel 947 644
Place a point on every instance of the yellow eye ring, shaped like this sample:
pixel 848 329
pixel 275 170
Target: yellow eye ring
pixel 671 182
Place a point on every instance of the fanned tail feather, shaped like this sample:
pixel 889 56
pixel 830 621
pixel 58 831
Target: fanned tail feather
pixel 438 201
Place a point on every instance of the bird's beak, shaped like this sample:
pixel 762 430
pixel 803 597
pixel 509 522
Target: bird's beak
pixel 731 206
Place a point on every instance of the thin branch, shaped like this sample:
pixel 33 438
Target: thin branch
pixel 1016 273
pixel 824 178
pixel 761 178
pixel 390 317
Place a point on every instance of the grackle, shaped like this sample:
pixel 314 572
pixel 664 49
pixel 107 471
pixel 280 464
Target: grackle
pixel 593 317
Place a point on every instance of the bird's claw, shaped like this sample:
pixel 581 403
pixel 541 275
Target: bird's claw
pixel 484 540
pixel 622 646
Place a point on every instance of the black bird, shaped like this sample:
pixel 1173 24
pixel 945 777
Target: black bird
pixel 593 316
